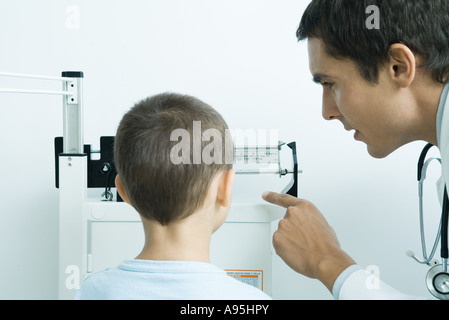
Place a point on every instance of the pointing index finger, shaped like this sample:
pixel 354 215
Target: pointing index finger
pixel 283 200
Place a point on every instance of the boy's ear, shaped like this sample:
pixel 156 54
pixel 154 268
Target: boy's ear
pixel 120 189
pixel 224 196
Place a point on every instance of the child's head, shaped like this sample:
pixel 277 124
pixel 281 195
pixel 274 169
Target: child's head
pixel 159 188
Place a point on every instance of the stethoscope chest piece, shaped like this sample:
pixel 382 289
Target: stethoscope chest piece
pixel 438 282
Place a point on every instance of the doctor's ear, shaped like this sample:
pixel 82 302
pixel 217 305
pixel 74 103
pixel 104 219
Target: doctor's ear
pixel 401 65
pixel 121 189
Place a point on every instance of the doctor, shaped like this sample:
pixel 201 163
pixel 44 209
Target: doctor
pixel 389 86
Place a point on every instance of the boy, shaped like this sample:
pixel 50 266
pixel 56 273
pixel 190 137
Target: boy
pixel 181 203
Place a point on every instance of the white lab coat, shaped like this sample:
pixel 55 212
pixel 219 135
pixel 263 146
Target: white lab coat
pixel 444 148
pixel 356 286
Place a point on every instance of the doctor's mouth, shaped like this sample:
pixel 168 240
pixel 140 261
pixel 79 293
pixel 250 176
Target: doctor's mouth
pixel 357 134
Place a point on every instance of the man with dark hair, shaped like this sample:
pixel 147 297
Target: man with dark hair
pixel 388 84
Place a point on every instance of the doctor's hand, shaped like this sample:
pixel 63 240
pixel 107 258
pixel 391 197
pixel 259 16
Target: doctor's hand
pixel 306 242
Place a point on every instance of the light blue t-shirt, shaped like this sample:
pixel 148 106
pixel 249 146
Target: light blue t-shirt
pixel 165 280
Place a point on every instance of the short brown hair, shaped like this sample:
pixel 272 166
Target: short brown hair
pixel 156 187
pixel 421 25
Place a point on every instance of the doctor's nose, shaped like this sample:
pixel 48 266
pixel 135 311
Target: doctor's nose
pixel 329 108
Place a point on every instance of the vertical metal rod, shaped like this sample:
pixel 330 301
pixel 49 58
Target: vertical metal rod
pixel 73 113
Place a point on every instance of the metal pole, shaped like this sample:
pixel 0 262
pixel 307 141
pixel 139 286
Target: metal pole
pixel 11 90
pixel 73 113
pixel 33 76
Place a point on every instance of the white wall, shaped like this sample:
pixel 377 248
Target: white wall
pixel 241 57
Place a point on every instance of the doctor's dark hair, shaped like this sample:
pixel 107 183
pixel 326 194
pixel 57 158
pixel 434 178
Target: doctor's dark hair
pixel 156 187
pixel 421 25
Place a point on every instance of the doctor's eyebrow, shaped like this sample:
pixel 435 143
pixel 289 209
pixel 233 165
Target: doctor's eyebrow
pixel 318 77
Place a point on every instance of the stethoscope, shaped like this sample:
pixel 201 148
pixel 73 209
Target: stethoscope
pixel 437 279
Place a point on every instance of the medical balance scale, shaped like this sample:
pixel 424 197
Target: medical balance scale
pixel 102 231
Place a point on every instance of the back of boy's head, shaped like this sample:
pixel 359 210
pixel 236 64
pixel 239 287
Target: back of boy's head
pixel 157 188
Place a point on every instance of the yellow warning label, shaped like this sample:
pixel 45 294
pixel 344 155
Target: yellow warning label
pixel 251 277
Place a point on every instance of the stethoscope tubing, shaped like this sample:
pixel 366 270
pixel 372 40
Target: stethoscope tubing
pixel 444 231
pixel 443 228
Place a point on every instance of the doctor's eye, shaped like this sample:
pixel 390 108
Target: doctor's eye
pixel 327 84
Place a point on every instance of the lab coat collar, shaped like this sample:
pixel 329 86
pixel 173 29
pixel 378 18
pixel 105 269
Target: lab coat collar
pixel 443 140
pixel 441 108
